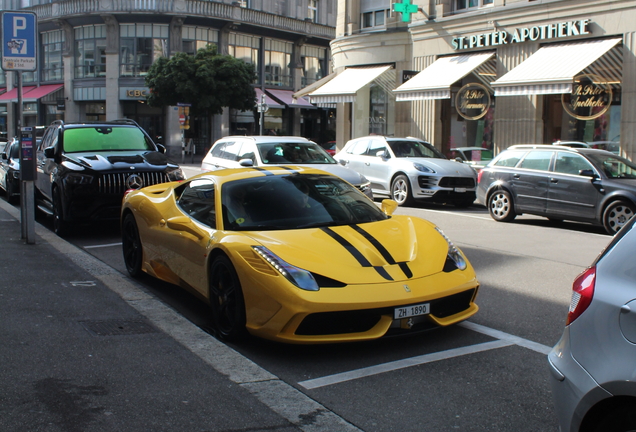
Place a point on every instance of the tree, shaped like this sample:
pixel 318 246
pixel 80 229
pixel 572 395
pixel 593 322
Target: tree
pixel 208 80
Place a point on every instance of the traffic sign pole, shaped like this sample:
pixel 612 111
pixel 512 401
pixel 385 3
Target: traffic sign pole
pixel 19 54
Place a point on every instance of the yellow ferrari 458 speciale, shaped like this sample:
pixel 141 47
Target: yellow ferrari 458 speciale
pixel 296 255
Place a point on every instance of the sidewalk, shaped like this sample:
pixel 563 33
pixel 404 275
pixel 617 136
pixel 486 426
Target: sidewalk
pixel 85 348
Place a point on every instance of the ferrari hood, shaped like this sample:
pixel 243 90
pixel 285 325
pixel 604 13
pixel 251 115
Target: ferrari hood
pixel 397 249
pixel 115 160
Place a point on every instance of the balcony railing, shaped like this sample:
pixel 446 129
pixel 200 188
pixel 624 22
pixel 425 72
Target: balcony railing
pixel 208 9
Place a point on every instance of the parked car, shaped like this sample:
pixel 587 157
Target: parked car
pixel 330 147
pixel 83 169
pixel 560 183
pixel 477 157
pixel 408 169
pixel 592 366
pixel 10 170
pixel 611 146
pixel 298 256
pixel 266 151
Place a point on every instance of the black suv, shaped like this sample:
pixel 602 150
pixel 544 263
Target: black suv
pixel 560 183
pixel 83 169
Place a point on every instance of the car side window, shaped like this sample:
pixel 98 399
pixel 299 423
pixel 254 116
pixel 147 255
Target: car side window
pixel 359 148
pixel 231 151
pixel 571 163
pixel 217 150
pixel 197 200
pixel 375 146
pixel 537 160
pixel 509 158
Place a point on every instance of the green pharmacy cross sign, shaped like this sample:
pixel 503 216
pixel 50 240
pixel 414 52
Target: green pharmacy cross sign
pixel 406 9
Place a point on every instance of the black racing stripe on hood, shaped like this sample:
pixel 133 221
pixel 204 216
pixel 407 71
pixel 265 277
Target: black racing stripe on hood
pixel 264 171
pixel 405 268
pixel 348 246
pixel 385 253
pixel 289 169
pixel 355 252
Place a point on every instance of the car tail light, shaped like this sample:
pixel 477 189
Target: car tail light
pixel 479 174
pixel 582 294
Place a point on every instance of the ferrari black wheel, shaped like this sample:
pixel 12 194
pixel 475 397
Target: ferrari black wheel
pixel 226 300
pixel 60 227
pixel 131 246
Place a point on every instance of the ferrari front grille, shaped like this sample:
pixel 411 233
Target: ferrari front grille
pixel 117 183
pixel 360 321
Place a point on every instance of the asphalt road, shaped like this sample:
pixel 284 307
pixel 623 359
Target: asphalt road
pixel 487 374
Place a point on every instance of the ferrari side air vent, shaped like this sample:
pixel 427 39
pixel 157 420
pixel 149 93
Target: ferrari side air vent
pixel 325 282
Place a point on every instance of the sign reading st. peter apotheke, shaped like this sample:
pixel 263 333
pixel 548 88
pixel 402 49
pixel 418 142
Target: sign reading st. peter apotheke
pixel 534 33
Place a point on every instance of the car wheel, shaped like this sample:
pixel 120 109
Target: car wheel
pixel 401 190
pixel 619 419
pixel 60 227
pixel 226 300
pixel 617 214
pixel 500 206
pixel 131 246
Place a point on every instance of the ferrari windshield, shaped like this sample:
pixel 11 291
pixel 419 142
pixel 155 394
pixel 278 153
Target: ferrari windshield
pixel 294 201
pixel 294 153
pixel 407 148
pixel 105 138
pixel 614 167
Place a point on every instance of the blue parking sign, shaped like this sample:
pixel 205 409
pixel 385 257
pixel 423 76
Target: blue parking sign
pixel 19 41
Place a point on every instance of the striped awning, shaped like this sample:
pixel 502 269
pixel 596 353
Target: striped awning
pixel 344 86
pixel 435 81
pixel 552 68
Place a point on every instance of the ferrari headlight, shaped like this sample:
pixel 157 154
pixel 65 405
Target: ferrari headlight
pixel 454 255
pixel 175 174
pixel 299 277
pixel 423 168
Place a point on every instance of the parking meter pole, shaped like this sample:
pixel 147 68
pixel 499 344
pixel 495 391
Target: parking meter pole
pixel 27 177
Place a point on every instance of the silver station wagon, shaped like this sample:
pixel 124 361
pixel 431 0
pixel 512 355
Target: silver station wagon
pixel 560 183
pixel 409 169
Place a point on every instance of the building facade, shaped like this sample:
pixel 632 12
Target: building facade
pixel 485 73
pixel 93 58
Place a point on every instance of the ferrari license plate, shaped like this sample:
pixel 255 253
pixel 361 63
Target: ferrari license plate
pixel 413 310
pixel 460 190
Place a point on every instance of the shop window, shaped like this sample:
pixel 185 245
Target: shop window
pixel 277 60
pixel 140 46
pixel 463 5
pixel 245 47
pixel 314 63
pixel 90 51
pixel 378 108
pixel 52 69
pixel 196 38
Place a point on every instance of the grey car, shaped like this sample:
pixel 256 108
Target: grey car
pixel 263 151
pixel 409 169
pixel 593 365
pixel 560 183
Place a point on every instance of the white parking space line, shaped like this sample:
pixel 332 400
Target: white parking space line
pixel 497 334
pixel 401 364
pixel 102 246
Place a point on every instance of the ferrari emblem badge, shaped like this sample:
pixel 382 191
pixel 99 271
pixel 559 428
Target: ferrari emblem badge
pixel 406 288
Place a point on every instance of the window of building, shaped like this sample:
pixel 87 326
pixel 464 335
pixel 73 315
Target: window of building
pixel 140 46
pixel 277 60
pixel 245 47
pixel 52 44
pixel 312 13
pixel 462 5
pixel 375 18
pixel 90 51
pixel 195 38
pixel 314 63
pixel 241 3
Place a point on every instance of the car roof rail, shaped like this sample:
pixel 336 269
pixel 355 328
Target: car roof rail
pixel 125 121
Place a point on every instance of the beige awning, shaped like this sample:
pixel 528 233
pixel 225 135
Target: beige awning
pixel 552 68
pixel 435 81
pixel 313 86
pixel 344 86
